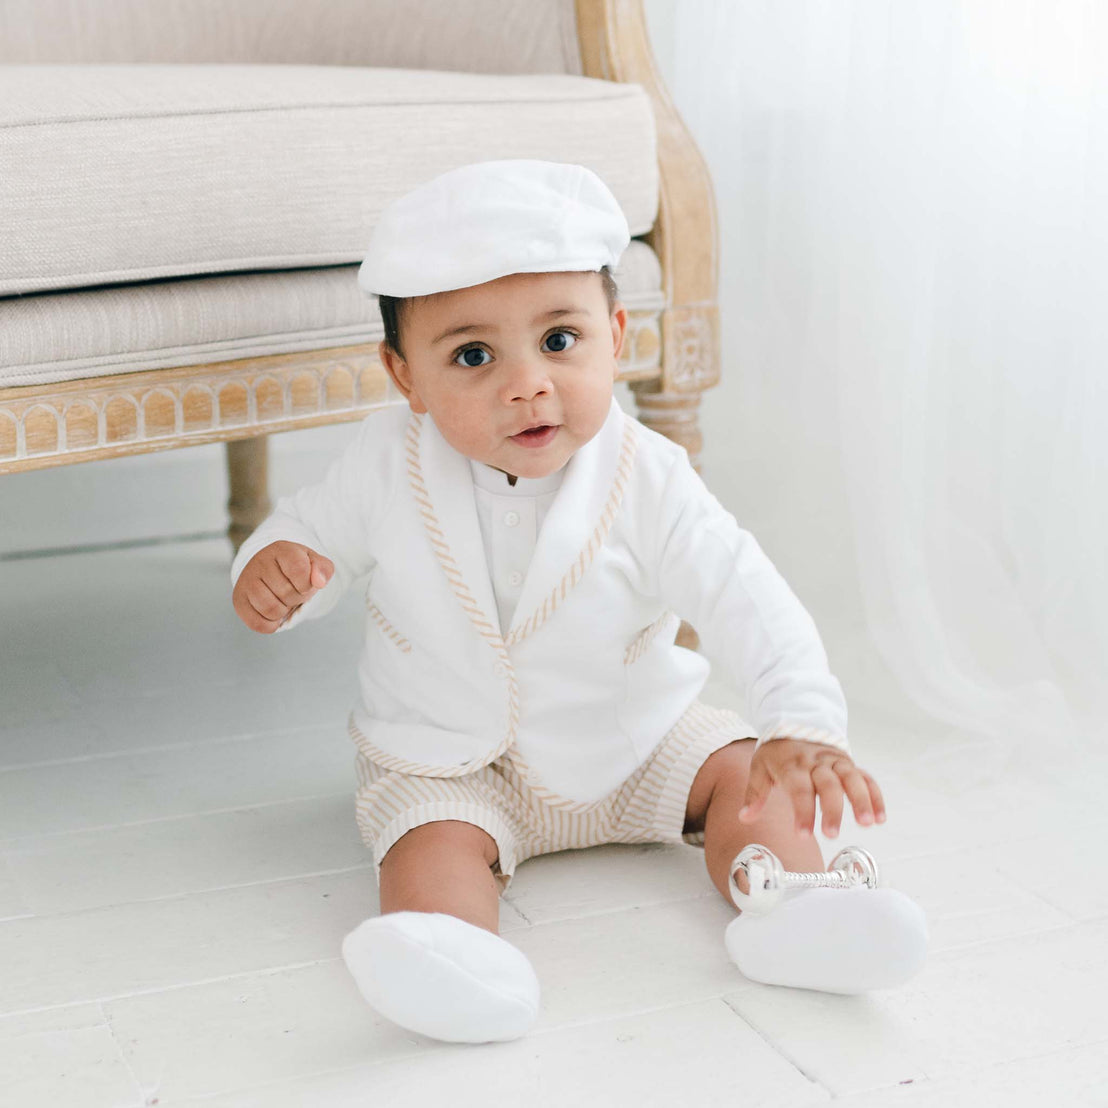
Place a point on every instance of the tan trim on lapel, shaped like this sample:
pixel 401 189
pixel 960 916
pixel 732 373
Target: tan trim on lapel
pixel 442 484
pixel 489 633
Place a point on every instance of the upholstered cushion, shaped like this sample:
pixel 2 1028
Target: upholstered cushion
pixel 478 36
pixel 124 173
pixel 53 337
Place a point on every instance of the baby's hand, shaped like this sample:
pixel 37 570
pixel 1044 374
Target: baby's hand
pixel 276 581
pixel 804 769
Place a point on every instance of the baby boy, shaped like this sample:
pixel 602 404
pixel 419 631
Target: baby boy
pixel 527 552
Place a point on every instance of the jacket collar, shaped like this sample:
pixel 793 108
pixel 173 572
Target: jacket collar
pixel 575 525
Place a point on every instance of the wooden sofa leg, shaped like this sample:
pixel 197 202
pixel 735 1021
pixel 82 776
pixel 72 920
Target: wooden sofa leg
pixel 248 478
pixel 673 414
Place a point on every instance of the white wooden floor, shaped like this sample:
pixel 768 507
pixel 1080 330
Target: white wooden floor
pixel 179 863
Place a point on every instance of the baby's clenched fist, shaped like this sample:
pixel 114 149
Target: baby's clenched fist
pixel 276 581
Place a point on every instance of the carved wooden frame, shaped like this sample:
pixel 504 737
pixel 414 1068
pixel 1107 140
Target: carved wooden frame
pixel 669 357
pixel 615 46
pixel 134 413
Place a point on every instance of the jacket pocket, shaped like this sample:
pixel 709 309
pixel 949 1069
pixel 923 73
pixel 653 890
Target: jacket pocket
pixel 382 621
pixel 665 625
pixel 660 681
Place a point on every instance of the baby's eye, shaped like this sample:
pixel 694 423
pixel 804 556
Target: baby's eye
pixel 561 341
pixel 468 362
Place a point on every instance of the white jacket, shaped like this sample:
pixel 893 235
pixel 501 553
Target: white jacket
pixel 588 679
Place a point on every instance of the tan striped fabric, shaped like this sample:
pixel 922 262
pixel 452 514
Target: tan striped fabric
pixel 648 807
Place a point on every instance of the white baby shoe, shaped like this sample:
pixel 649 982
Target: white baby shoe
pixel 443 977
pixel 833 940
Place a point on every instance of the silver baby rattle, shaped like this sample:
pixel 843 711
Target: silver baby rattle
pixel 768 879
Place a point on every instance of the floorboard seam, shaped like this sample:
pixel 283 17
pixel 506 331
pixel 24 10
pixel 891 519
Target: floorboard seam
pixel 102 547
pixel 778 1049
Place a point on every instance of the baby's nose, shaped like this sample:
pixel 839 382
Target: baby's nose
pixel 526 379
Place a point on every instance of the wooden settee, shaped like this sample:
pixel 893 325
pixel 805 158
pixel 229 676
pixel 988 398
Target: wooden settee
pixel 188 188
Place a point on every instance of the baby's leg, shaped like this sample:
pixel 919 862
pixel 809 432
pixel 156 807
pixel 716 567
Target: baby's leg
pixel 433 960
pixel 714 801
pixel 832 940
pixel 444 866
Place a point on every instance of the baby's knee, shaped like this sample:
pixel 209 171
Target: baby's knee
pixel 452 837
pixel 446 867
pixel 728 767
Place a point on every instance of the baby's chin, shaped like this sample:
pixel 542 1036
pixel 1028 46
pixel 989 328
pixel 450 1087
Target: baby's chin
pixel 531 468
pixel 532 472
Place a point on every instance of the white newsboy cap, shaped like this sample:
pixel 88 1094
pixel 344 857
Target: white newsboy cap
pixel 488 219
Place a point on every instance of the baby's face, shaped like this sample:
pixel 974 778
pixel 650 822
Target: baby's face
pixel 517 372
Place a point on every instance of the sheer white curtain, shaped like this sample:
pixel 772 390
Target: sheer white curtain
pixel 913 198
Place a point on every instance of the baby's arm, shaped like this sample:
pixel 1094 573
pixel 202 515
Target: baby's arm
pixel 751 625
pixel 714 574
pixel 302 558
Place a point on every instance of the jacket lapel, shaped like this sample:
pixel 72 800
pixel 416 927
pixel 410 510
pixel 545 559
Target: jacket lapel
pixel 442 483
pixel 576 523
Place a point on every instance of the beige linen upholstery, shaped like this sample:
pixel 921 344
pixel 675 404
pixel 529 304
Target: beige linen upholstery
pixel 476 36
pixel 181 170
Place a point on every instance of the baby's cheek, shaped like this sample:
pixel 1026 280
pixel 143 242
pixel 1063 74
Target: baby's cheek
pixel 466 430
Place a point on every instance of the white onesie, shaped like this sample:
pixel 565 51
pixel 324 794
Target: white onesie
pixel 510 518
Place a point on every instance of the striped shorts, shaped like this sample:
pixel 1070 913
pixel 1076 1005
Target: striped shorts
pixel 648 807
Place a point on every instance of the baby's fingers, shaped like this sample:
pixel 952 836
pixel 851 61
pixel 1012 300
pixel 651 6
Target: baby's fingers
pixel 305 571
pixel 830 790
pixel 857 786
pixel 323 569
pixel 876 797
pixel 294 562
pixel 802 793
pixel 258 608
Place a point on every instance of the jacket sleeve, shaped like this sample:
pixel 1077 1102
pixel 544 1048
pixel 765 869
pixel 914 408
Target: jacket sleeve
pixel 751 625
pixel 335 517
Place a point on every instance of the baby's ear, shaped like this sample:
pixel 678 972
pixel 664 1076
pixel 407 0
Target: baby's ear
pixel 401 375
pixel 392 362
pixel 619 330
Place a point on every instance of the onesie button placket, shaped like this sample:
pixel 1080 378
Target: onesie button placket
pixel 510 516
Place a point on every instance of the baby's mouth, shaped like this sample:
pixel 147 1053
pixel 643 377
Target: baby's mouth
pixel 536 436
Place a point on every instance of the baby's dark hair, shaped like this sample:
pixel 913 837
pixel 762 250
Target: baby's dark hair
pixel 392 309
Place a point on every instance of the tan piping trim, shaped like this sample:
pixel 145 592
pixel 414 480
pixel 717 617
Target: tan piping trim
pixel 383 623
pixel 645 637
pixel 487 632
pixel 390 761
